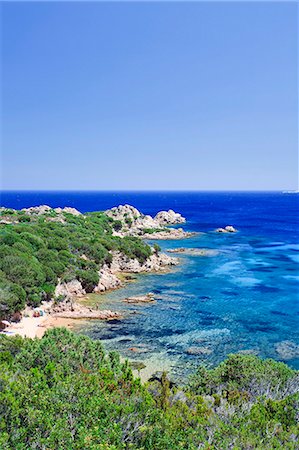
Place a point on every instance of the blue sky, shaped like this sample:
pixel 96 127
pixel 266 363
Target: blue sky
pixel 122 96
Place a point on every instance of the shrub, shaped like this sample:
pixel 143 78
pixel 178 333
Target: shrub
pixel 88 278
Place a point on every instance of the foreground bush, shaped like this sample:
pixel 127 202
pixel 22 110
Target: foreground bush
pixel 63 392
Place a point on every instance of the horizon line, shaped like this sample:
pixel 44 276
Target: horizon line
pixel 145 190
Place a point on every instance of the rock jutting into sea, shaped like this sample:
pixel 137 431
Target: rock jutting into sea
pixel 134 223
pixel 108 280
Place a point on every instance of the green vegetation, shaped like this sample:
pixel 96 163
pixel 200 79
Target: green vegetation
pixel 36 251
pixel 156 230
pixel 63 392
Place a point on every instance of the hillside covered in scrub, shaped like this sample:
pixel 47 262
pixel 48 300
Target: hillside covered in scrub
pixel 40 247
pixel 64 392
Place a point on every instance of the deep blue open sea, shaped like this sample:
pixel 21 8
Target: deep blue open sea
pixel 244 297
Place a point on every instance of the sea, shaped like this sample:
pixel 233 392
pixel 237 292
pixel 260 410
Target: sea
pixel 241 297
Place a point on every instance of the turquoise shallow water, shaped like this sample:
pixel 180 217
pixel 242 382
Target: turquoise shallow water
pixel 243 298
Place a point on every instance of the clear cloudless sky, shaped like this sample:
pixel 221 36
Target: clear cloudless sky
pixel 146 96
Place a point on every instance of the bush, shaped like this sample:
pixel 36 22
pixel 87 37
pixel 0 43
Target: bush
pixel 88 278
pixel 12 298
pixel 64 392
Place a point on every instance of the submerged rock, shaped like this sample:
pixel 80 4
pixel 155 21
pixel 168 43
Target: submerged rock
pixel 138 350
pixel 148 298
pixel 194 251
pixel 198 351
pixel 287 349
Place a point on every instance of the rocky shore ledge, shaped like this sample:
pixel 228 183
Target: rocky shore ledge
pixel 70 309
pixel 109 275
pixel 194 251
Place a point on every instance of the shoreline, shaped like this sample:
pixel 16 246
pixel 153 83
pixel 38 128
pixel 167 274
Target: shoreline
pixel 35 327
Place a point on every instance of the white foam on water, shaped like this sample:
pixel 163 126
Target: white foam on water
pixel 228 267
pixel 191 336
pixel 280 247
pixel 246 281
pixel 291 277
pixel 294 258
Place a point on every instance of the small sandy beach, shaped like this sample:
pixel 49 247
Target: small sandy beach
pixel 36 326
pixel 32 327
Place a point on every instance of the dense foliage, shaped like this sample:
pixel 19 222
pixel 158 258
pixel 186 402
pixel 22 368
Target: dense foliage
pixel 63 392
pixel 37 250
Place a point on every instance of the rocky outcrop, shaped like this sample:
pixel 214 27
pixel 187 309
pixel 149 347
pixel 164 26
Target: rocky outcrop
pixel 169 218
pixel 227 229
pixel 123 212
pixel 69 290
pixel 134 223
pixel 50 214
pixel 68 210
pixel 108 280
pixel 155 263
pixel 37 210
pixel 45 209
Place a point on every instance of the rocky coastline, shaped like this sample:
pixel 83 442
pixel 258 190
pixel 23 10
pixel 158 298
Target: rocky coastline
pixel 66 303
pixel 127 222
